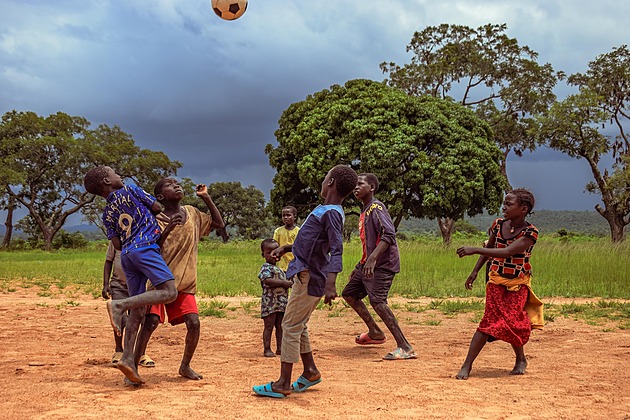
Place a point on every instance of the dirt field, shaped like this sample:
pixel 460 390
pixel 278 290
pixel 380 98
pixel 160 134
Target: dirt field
pixel 55 364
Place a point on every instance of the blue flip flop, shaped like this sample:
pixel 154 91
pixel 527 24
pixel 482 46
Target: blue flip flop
pixel 302 384
pixel 266 391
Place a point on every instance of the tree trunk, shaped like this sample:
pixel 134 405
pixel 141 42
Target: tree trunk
pixel 48 238
pixel 615 221
pixel 399 217
pixel 506 152
pixel 8 223
pixel 446 229
pixel 611 211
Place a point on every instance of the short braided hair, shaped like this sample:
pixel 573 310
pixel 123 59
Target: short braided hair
pixel 525 198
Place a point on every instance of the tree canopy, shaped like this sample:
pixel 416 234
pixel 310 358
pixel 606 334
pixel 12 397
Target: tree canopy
pixel 242 208
pixel 44 160
pixel 484 69
pixel 434 157
pixel 581 126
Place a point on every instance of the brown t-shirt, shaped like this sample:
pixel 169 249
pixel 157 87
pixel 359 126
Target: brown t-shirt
pixel 180 248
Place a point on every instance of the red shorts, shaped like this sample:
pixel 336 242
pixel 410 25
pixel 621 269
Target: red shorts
pixel 184 304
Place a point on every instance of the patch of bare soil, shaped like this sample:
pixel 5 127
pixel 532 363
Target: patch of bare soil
pixel 56 364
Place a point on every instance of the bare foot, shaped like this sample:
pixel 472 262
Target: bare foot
pixel 278 352
pixel 269 353
pixel 187 372
pixel 519 367
pixel 115 317
pixel 463 373
pixel 130 372
pixel 129 383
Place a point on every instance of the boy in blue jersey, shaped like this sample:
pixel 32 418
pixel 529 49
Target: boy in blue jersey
pixel 129 218
pixel 317 261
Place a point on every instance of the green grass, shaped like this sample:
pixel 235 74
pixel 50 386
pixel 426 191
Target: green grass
pixel 593 268
pixel 598 314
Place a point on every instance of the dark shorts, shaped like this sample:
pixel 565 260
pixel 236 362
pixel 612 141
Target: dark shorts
pixel 118 290
pixel 376 288
pixel 144 263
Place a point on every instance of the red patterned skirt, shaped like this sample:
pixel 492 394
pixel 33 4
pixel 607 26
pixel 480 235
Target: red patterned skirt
pixel 504 317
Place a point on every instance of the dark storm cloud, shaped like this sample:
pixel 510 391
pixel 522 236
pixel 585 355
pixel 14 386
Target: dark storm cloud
pixel 209 93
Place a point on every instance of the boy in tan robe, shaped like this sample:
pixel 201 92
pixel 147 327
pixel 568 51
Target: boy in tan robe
pixel 180 253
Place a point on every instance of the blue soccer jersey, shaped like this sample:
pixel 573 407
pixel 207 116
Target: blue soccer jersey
pixel 128 216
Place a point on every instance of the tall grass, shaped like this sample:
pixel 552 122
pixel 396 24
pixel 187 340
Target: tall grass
pixel 594 268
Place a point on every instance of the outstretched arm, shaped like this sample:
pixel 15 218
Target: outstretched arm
pixel 217 220
pixel 480 262
pixel 516 247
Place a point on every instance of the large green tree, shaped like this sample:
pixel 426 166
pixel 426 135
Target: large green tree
pixel 593 123
pixel 45 159
pixel 242 208
pixel 434 157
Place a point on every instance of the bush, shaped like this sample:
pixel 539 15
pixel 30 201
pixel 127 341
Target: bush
pixel 69 240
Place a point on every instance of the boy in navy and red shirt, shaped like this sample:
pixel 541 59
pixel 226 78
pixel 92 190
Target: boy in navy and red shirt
pixel 129 218
pixel 317 250
pixel 374 274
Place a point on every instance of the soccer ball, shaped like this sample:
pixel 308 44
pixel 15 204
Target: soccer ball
pixel 229 9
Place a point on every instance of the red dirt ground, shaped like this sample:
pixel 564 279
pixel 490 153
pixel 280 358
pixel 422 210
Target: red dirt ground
pixel 55 364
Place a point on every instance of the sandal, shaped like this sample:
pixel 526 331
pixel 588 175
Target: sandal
pixel 146 361
pixel 400 354
pixel 364 339
pixel 116 357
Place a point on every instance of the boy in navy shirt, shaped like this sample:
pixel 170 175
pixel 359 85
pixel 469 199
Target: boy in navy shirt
pixel 317 250
pixel 129 218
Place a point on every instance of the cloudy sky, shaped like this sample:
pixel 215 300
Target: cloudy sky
pixel 209 92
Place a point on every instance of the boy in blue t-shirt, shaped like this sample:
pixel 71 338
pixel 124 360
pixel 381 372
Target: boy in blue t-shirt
pixel 129 218
pixel 317 250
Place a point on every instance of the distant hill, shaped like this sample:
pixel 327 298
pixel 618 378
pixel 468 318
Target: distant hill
pixel 547 221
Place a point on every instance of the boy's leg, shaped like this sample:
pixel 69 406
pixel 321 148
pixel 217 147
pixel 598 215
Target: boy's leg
pixel 389 319
pixel 279 319
pixel 295 340
pixel 163 293
pixel 353 294
pixel 193 328
pixel 119 291
pixel 521 362
pixel 140 265
pixel 269 322
pixel 476 344
pixel 378 289
pixel 149 325
pixel 128 363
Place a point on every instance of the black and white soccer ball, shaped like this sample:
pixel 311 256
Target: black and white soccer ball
pixel 229 9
